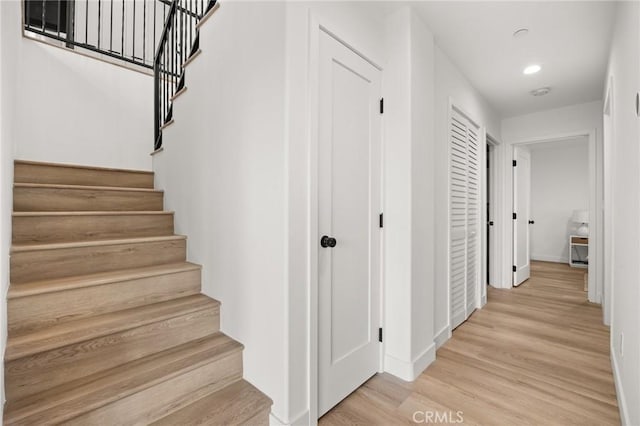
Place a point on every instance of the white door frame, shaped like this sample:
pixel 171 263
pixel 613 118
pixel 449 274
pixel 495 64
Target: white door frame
pixel 315 28
pixel 494 254
pixel 608 149
pixel 595 252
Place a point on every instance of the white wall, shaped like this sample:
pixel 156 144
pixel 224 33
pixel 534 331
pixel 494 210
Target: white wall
pixel 559 185
pixel 6 178
pixel 624 73
pixel 73 109
pixel 451 87
pixel 249 167
pixel 554 124
pixel 422 195
pixel 408 190
pixel 223 172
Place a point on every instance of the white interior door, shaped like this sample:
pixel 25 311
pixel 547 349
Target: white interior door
pixel 349 205
pixel 522 210
pixel 464 217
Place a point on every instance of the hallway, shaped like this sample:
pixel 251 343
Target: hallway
pixel 537 354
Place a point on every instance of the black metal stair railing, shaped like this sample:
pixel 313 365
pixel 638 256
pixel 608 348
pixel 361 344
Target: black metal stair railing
pixel 126 30
pixel 178 41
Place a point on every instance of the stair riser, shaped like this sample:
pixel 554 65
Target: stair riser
pixel 154 403
pixel 49 174
pixel 35 373
pixel 57 229
pixel 65 262
pixel 41 310
pixel 45 199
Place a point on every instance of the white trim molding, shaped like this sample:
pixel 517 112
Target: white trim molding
pixel 622 401
pixel 301 419
pixel 443 335
pixel 546 258
pixel 409 371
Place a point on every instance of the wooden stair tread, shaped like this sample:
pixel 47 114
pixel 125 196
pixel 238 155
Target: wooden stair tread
pixel 69 283
pixel 208 15
pixel 88 393
pixel 85 187
pixel 19 248
pixel 235 404
pixel 190 59
pixel 79 166
pixel 71 332
pixel 93 213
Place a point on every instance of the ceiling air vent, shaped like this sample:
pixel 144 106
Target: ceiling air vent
pixel 541 91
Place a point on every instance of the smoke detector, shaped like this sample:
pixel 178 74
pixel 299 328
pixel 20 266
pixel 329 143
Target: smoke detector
pixel 541 91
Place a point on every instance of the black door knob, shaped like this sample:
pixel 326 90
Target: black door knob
pixel 490 223
pixel 531 222
pixel 326 241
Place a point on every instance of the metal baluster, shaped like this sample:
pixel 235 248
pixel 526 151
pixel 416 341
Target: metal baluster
pixel 181 35
pixel 133 46
pixel 86 22
pixel 58 28
pixel 166 81
pixel 163 84
pixel 122 29
pixel 26 5
pixel 173 57
pixel 190 27
pixel 111 29
pixel 99 20
pixel 144 30
pixel 155 2
pixel 43 17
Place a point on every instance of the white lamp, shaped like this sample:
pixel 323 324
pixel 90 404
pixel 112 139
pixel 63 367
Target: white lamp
pixel 581 217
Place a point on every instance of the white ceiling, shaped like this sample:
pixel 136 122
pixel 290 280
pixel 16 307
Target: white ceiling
pixel 569 39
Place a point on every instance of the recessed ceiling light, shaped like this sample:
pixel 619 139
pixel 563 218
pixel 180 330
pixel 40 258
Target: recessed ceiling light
pixel 532 69
pixel 541 91
pixel 521 32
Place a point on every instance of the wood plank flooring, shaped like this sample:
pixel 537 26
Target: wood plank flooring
pixel 534 355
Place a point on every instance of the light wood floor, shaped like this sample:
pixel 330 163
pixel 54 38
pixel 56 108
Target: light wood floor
pixel 534 355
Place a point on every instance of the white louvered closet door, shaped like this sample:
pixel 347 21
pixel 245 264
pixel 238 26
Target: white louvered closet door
pixel 464 244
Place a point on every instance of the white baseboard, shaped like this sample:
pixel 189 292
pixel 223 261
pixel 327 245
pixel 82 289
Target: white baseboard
pixel 442 336
pixel 301 419
pixel 409 371
pixel 622 401
pixel 547 258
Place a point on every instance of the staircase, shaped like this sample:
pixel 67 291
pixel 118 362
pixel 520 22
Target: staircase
pixel 106 322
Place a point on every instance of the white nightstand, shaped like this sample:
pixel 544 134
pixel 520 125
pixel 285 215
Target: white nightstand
pixel 578 251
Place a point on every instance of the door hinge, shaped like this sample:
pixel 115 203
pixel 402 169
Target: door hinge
pixel 515 216
pixel 380 334
pixel 515 268
pixel 381 105
pixel 515 163
pixel 381 220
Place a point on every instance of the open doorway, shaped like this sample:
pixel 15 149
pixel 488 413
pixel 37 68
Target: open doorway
pixel 552 204
pixel 491 243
